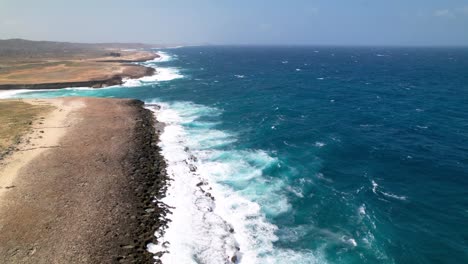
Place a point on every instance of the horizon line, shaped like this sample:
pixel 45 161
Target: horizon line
pixel 257 44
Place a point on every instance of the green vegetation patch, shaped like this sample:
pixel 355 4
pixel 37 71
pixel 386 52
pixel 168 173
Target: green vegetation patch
pixel 16 118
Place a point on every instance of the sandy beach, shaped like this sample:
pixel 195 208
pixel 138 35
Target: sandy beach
pixel 80 186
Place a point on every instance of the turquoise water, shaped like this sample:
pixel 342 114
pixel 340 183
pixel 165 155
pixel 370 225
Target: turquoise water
pixel 314 154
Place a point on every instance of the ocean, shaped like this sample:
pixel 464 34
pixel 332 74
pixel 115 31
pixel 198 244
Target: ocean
pixel 310 154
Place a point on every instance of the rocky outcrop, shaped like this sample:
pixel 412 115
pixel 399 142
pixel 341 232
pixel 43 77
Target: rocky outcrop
pixel 148 182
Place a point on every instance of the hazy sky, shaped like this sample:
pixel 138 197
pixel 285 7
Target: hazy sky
pixel 342 22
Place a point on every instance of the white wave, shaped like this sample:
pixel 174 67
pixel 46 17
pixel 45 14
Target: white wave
pixel 163 57
pixel 12 93
pixel 82 88
pixel 296 191
pixel 374 187
pixel 394 196
pixel 362 209
pixel 295 257
pixel 161 75
pixel 220 197
pixel 322 177
pixel 240 76
pixel 350 241
pixel 18 93
pixel 176 47
pixel 319 144
pixel 387 194
pixel 195 229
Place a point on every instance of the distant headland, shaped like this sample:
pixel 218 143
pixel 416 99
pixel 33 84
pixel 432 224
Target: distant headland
pixel 26 64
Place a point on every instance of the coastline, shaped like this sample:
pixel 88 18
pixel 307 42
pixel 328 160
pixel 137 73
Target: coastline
pixel 93 169
pixel 114 80
pixel 96 72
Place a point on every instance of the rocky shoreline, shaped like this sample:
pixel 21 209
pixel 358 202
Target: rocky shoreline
pixel 95 193
pixel 114 80
pixel 149 180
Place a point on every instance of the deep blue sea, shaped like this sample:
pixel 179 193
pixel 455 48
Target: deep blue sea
pixel 311 154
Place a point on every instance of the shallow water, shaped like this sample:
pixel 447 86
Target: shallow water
pixel 312 154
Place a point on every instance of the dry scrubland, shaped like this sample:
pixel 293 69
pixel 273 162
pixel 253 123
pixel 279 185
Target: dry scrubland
pixel 16 119
pixel 79 188
pixel 31 64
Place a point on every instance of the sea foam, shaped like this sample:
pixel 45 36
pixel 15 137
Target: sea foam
pixel 161 74
pixel 12 93
pixel 216 193
pixel 163 57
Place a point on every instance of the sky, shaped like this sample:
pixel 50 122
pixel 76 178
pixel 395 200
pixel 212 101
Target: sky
pixel 248 22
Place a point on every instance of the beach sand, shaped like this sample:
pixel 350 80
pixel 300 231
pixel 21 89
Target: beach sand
pixel 79 189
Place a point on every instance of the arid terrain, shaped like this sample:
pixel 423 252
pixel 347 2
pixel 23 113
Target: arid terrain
pixel 47 65
pixel 16 118
pixel 80 183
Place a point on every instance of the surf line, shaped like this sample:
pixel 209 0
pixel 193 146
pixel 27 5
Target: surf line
pixel 194 230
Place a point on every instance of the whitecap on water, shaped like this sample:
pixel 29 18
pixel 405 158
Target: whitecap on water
pixel 319 144
pixel 394 196
pixel 374 187
pixel 386 194
pixel 362 209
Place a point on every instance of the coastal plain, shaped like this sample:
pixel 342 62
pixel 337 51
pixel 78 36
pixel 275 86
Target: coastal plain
pixel 51 65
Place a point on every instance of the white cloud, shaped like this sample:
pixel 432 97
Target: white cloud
pixel 443 13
